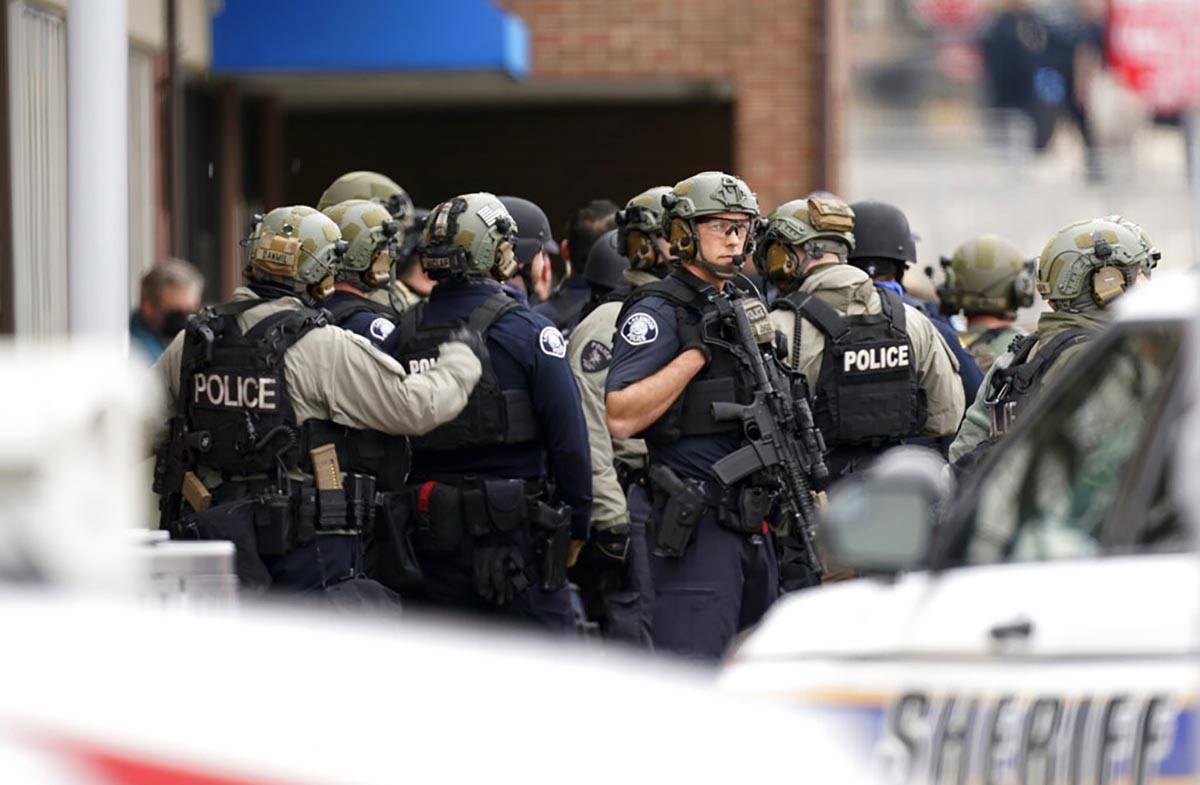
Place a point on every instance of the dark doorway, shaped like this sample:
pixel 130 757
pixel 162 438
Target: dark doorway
pixel 560 156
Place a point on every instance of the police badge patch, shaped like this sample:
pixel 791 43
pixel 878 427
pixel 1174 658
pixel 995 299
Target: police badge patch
pixel 595 357
pixel 639 329
pixel 552 342
pixel 381 328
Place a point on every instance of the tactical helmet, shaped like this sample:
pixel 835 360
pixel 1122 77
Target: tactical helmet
pixel 1099 257
pixel 1154 256
pixel 470 234
pixel 297 247
pixel 638 225
pixel 373 187
pixel 808 224
pixel 367 228
pixel 882 236
pixel 700 195
pixel 605 265
pixel 987 276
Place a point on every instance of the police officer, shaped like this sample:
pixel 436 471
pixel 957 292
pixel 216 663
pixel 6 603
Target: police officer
pixel 713 567
pixel 1083 268
pixel 884 248
pixel 261 386
pixel 371 236
pixel 987 279
pixel 383 190
pixel 614 569
pixel 878 371
pixel 565 306
pixel 533 248
pixel 492 534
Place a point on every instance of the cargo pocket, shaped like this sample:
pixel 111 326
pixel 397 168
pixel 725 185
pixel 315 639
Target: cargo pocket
pixel 437 517
pixel 232 521
pixel 505 504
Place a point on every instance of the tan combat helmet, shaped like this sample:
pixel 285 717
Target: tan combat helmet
pixel 469 235
pixel 371 235
pixel 374 187
pixel 987 276
pixel 296 247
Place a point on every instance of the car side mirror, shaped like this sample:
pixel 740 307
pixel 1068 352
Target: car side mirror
pixel 882 522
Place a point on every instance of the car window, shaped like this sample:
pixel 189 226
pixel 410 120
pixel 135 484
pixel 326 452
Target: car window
pixel 1048 492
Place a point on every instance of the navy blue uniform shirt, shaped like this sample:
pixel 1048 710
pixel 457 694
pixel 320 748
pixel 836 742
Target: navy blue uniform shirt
pixel 565 307
pixel 646 340
pixel 529 353
pixel 376 328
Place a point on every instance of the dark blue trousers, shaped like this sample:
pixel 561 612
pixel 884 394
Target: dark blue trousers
pixel 629 612
pixel 723 583
pixel 450 585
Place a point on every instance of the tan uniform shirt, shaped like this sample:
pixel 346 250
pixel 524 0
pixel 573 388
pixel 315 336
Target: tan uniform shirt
pixel 851 292
pixel 590 352
pixel 336 375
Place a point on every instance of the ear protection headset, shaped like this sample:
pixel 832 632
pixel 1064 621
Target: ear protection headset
pixel 1109 281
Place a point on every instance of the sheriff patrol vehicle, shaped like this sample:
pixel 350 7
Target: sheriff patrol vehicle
pixel 1040 623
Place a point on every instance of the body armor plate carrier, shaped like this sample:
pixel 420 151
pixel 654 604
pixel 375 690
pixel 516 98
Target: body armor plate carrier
pixel 1008 388
pixel 722 380
pixel 867 393
pixel 233 387
pixel 344 307
pixel 492 415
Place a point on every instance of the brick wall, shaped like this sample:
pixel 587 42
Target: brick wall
pixel 770 52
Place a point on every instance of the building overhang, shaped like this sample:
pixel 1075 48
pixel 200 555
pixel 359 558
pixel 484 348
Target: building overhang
pixel 371 36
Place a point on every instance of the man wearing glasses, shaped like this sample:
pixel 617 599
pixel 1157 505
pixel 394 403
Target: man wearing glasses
pixel 713 564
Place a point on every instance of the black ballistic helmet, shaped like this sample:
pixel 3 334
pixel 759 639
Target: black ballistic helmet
pixel 881 234
pixel 605 264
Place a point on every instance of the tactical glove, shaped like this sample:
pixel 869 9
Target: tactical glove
pixel 691 336
pixel 469 338
pixel 499 573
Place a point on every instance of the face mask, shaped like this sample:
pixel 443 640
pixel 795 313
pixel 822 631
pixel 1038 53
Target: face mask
pixel 172 323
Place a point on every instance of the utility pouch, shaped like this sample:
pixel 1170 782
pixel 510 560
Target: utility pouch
pixel 475 509
pixel 390 558
pixel 273 523
pixel 437 517
pixel 552 527
pixel 753 505
pixel 327 476
pixel 233 521
pixel 505 504
pixel 360 502
pixel 681 510
pixel 304 524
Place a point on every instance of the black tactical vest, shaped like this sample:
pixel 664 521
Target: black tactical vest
pixel 345 307
pixel 387 458
pixel 1009 388
pixel 867 392
pixel 233 387
pixel 723 379
pixel 492 415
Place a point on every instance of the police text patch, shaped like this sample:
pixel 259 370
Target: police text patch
pixel 233 391
pixel 880 357
pixel 639 329
pixel 552 342
pixel 595 357
pixel 381 328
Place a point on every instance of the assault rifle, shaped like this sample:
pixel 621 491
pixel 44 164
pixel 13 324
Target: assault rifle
pixel 174 460
pixel 785 448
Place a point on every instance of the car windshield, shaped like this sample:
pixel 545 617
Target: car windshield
pixel 1048 494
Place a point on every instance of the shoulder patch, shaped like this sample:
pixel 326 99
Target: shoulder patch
pixel 595 356
pixel 639 329
pixel 552 342
pixel 381 328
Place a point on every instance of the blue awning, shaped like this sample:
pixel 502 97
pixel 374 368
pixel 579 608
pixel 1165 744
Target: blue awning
pixel 258 36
